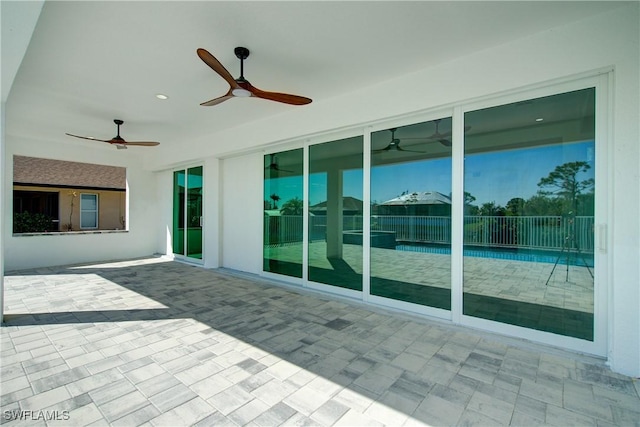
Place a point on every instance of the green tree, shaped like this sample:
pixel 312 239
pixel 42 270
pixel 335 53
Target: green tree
pixel 292 207
pixel 491 209
pixel 468 198
pixel 541 205
pixel 563 183
pixel 515 207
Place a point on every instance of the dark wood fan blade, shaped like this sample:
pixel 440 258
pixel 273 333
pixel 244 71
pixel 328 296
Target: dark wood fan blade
pixel 141 143
pixel 218 100
pixel 86 137
pixel 276 96
pixel 216 66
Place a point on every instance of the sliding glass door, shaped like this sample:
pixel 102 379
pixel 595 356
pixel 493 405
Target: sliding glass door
pixel 411 213
pixel 486 217
pixel 187 213
pixel 335 213
pixel 283 213
pixel 529 227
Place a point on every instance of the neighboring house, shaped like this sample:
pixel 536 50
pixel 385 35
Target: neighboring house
pixel 423 203
pixel 76 196
pixel 350 206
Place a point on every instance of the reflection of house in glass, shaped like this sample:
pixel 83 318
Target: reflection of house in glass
pixel 424 203
pixel 75 196
pixel 350 206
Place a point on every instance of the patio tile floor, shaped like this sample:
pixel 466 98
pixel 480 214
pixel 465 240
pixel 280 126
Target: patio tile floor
pixel 159 343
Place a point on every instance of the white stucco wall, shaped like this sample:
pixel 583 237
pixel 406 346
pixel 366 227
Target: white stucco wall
pixel 57 249
pixel 242 211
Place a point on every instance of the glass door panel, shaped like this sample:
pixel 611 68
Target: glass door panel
pixel 178 211
pixel 529 218
pixel 283 213
pixel 411 213
pixel 194 212
pixel 187 212
pixel 335 213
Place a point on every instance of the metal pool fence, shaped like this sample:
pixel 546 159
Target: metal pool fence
pixel 532 232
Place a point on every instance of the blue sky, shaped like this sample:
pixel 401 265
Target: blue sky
pixel 489 177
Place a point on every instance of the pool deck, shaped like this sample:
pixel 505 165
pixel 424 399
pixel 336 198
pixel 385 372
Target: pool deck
pixel 522 281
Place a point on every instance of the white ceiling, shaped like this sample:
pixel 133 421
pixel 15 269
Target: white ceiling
pixel 90 62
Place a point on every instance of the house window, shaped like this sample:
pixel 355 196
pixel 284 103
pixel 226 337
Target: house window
pixel 89 211
pixel 35 211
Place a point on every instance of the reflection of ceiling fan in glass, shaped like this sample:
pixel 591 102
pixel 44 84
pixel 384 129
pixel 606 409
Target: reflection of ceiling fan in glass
pixel 273 165
pixel 394 144
pixel 443 138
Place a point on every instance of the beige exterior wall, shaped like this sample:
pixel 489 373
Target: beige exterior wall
pixel 111 206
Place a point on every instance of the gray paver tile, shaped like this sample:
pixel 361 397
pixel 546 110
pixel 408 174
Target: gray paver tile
pixel 62 378
pixel 188 413
pixel 172 397
pixel 248 412
pixel 277 414
pixel 561 417
pixel 355 418
pixel 137 417
pixel 111 390
pixel 85 415
pixel 435 410
pixel 385 414
pixel 45 399
pixel 230 399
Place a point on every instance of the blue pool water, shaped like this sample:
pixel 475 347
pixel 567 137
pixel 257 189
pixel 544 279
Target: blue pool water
pixel 573 257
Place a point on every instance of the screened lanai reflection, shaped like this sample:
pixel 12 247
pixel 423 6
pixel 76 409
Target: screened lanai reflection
pixel 411 213
pixel 283 209
pixel 335 213
pixel 529 223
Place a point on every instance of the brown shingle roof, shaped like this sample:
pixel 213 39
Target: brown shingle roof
pixel 32 170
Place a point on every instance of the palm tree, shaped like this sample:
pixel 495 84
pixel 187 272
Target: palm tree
pixel 292 207
pixel 275 199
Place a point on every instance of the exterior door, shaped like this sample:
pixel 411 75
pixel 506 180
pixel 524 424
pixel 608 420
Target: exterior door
pixel 187 213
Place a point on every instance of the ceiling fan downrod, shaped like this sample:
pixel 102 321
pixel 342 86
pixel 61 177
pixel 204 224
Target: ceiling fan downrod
pixel 118 122
pixel 242 53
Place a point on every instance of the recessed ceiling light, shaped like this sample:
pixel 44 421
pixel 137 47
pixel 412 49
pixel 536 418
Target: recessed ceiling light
pixel 161 96
pixel 539 119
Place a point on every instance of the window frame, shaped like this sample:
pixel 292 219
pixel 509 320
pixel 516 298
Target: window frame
pixel 95 211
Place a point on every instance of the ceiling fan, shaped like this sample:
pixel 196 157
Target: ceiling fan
pixel 241 87
pixel 273 165
pixel 117 140
pixel 394 144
